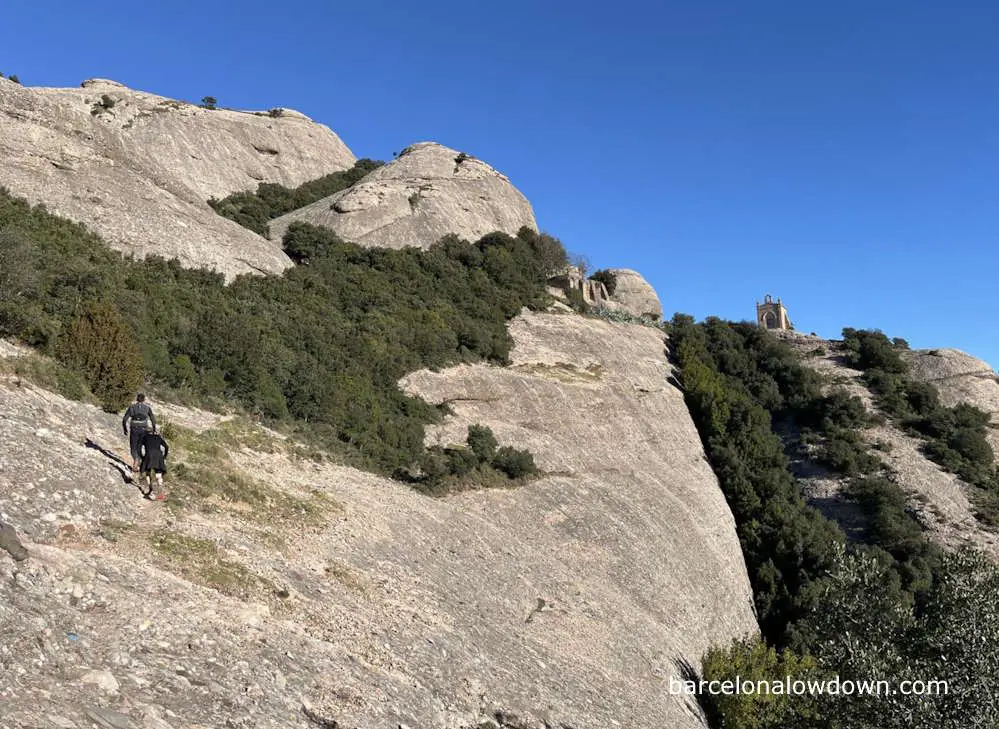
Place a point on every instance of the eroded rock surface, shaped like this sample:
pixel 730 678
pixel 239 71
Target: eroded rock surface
pixel 427 192
pixel 138 168
pixel 569 600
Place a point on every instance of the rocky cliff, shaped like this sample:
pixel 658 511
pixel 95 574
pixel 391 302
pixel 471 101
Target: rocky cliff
pixel 139 168
pixel 424 194
pixel 353 601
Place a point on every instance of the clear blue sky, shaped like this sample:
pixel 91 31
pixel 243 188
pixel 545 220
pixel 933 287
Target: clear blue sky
pixel 844 156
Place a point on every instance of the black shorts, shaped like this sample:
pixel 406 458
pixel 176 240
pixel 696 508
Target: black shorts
pixel 135 436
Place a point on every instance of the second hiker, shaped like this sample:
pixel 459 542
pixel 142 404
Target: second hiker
pixel 154 450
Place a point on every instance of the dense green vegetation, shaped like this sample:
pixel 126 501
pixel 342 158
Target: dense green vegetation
pixel 100 346
pixel 254 210
pixel 737 380
pixel 869 635
pixel 955 437
pixel 320 347
pixel 881 608
pixel 753 660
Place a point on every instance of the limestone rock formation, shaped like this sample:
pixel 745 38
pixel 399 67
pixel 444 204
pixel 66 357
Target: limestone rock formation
pixel 959 377
pixel 421 196
pixel 635 294
pixel 139 168
pixel 566 602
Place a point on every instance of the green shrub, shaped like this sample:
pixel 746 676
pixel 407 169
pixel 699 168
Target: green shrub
pixel 482 442
pixel 103 348
pixel 574 297
pixel 183 372
pixel 752 661
pixel 514 463
pixel 845 452
pixel 840 409
pixel 870 349
pixel 304 243
pixel 461 461
pixel 479 464
pixel 209 102
pixel 548 250
pixel 894 529
pixel 871 630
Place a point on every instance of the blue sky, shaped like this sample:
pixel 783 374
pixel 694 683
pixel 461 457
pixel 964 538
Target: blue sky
pixel 844 156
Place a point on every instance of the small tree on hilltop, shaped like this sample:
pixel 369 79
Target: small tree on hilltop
pixel 209 102
pixel 102 347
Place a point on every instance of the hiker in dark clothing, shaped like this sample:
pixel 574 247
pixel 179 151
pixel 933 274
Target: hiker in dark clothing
pixel 154 451
pixel 137 421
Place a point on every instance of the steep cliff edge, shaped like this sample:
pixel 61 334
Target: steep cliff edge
pixel 139 168
pixel 427 192
pixel 566 601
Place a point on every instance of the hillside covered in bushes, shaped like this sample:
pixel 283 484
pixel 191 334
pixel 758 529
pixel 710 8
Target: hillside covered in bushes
pixel 320 347
pixel 890 605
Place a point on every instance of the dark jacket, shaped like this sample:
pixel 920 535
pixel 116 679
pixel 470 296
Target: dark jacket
pixel 138 415
pixel 154 451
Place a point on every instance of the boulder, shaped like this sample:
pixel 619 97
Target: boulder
pixel 635 294
pixel 427 192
